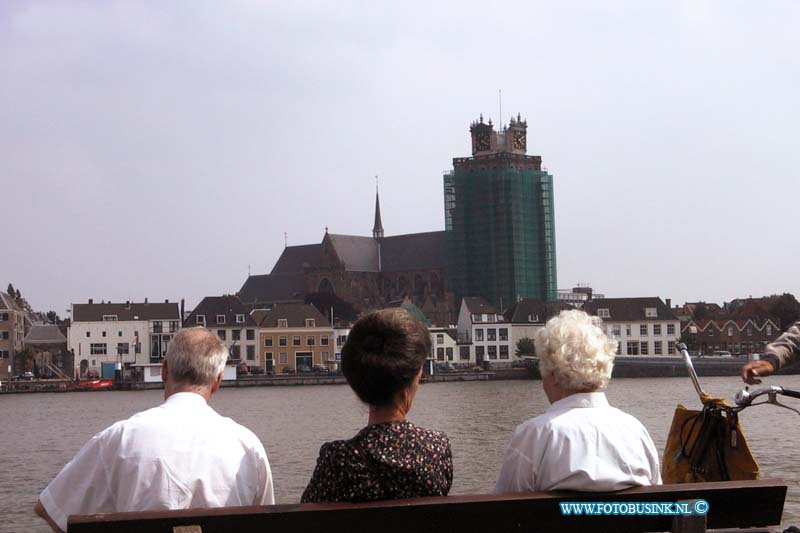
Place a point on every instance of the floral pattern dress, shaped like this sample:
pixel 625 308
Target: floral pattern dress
pixel 385 461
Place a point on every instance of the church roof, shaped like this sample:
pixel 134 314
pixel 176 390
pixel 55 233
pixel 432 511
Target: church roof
pixel 359 254
pixel 415 251
pixel 45 334
pixel 273 288
pixel 296 258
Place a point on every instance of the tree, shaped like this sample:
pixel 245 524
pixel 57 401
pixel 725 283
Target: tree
pixel 525 347
pixel 785 309
pixel 53 317
pixel 701 311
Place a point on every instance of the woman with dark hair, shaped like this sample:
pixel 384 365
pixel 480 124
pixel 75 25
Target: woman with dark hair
pixel 391 458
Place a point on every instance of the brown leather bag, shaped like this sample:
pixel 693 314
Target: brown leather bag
pixel 707 445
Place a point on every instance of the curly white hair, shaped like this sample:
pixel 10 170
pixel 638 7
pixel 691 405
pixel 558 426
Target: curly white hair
pixel 574 348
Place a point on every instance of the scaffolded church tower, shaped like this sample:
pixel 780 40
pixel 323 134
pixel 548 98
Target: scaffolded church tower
pixel 499 220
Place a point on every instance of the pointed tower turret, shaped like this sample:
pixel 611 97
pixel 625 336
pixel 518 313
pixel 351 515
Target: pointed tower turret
pixel 377 229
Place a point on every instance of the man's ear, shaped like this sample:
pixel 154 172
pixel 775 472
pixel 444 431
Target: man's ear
pixel 164 371
pixel 217 383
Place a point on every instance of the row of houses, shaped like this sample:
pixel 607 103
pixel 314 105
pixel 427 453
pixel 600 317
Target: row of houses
pixel 288 337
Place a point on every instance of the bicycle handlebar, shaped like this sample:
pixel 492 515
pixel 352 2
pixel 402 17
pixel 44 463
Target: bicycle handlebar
pixel 746 396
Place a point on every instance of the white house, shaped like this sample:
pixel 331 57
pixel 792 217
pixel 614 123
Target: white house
pixel 529 315
pixel 127 333
pixel 228 318
pixel 642 326
pixel 444 346
pixel 483 333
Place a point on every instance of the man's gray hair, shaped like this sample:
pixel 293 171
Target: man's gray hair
pixel 195 357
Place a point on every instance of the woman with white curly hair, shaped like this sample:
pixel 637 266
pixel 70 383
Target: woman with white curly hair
pixel 580 442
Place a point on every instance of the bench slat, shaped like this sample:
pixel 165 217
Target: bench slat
pixel 737 504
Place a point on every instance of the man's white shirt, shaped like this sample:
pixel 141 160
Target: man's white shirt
pixel 580 443
pixel 179 455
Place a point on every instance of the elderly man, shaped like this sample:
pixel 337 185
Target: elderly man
pixel 783 351
pixel 580 442
pixel 179 455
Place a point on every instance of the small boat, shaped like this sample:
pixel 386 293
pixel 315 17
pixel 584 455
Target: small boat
pixel 96 384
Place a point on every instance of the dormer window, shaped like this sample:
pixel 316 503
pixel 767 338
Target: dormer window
pixel 533 318
pixel 476 318
pixel 603 313
pixel 490 318
pixel 310 323
pixel 201 319
pixel 109 318
pixel 283 323
pixel 651 312
pixel 240 319
pixel 220 319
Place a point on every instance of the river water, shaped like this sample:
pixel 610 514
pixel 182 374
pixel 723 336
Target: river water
pixel 39 433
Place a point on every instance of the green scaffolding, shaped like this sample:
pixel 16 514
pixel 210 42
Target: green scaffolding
pixel 500 234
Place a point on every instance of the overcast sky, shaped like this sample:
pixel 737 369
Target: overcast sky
pixel 156 149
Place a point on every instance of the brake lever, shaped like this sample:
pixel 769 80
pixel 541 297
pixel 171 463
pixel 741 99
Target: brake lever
pixel 774 401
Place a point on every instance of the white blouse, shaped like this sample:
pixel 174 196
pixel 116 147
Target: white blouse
pixel 580 443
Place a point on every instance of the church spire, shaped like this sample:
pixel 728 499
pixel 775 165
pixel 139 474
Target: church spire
pixel 377 229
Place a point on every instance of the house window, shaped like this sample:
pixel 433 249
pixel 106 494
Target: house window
pixel 670 347
pixel 220 319
pixel 250 334
pixel 643 330
pixel 310 340
pixel 325 356
pixel 240 319
pixel 503 334
pixel 627 330
pixel 98 348
pixel 492 351
pixel 109 318
pixel 463 353
pixel 119 334
pixel 201 319
pixel 174 326
pixel 123 348
pixel 104 334
pixel 603 313
pixel 504 351
pixel 4 354
pixel 340 340
pixel 479 351
pixel 283 323
pixel 324 340
pixel 449 353
pixel 283 358
pixel 439 338
pixel 643 347
pixel 88 334
pixel 656 329
pixel 651 312
pixel 221 333
pixel 730 331
pixel 440 354
pixel 769 329
pixel 3 317
pixel 671 329
pixel 617 329
pixel 268 356
pixel 251 352
pixel 479 334
pixel 491 334
pixel 157 326
pixel 282 341
pixel 749 331
pixel 310 323
pixel 4 335
pixel 632 347
pixel 267 341
pixel 296 340
pixel 490 318
pixel 619 348
pixel 236 352
pixel 533 318
pixel 476 318
pixel 236 334
pixel 657 347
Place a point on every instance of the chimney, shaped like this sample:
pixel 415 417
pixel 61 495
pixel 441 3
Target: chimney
pixel 127 304
pixel 669 304
pixel 182 309
pixel 91 301
pixel 166 301
pixel 145 301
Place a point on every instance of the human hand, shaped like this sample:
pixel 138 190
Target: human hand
pixel 752 370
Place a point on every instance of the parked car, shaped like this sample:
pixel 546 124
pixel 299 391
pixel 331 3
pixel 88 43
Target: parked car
pixel 25 376
pixel 257 370
pixel 320 369
pixel 722 353
pixel 287 370
pixel 303 369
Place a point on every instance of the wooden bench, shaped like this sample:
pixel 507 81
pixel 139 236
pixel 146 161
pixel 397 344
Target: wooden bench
pixel 735 504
